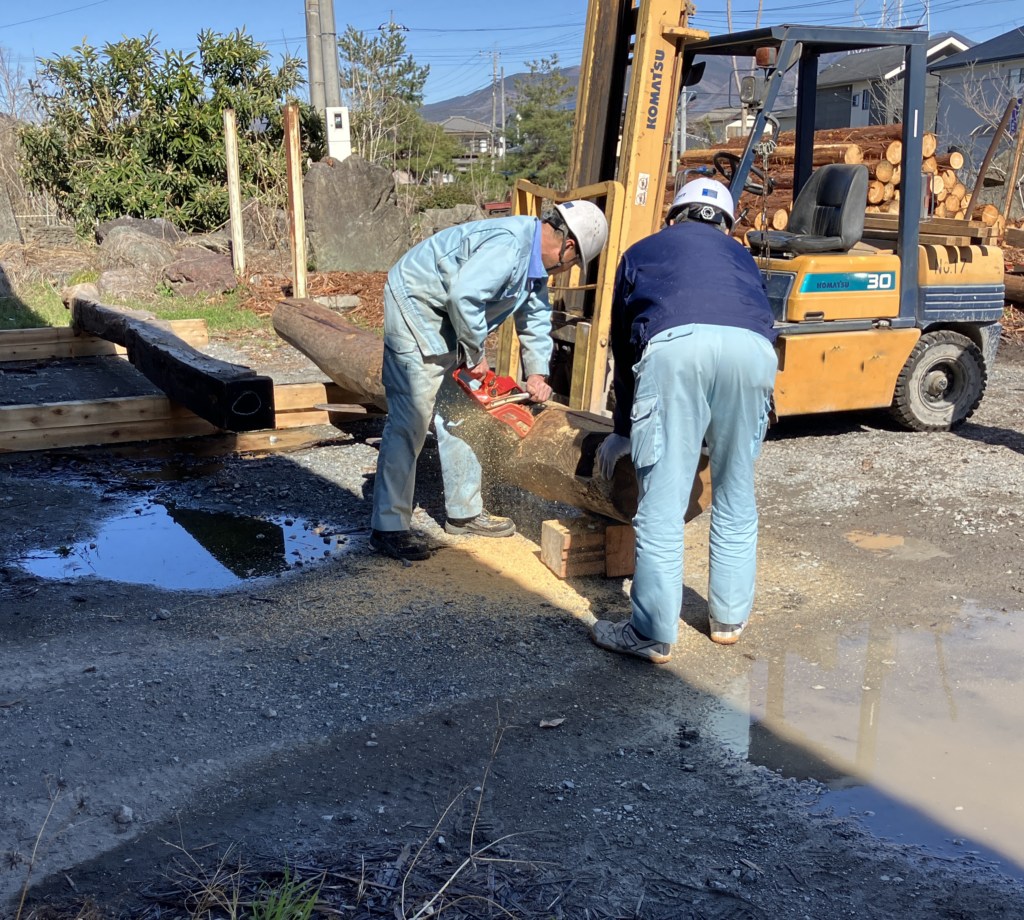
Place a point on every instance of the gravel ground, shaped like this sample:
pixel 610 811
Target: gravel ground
pixel 372 693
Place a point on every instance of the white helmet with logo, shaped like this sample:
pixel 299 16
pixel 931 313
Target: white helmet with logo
pixel 704 193
pixel 588 225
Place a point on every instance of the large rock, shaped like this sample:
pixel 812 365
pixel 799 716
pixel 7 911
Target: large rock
pixel 9 230
pixel 353 220
pixel 201 273
pixel 436 219
pixel 126 284
pixel 157 227
pixel 139 250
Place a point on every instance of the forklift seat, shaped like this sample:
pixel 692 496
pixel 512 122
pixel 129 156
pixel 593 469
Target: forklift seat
pixel 827 216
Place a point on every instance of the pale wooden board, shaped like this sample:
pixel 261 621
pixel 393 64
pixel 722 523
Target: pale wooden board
pixel 87 435
pixel 119 411
pixel 1014 237
pixel 61 342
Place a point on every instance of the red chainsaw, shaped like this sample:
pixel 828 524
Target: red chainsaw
pixel 501 397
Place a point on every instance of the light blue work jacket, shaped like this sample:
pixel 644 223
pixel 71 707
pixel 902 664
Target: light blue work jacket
pixel 462 283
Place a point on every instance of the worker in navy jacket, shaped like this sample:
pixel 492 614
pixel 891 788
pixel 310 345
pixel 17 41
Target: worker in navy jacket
pixel 692 337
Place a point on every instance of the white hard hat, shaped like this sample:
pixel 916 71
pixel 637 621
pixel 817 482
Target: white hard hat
pixel 705 192
pixel 588 225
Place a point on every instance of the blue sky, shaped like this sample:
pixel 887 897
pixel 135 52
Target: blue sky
pixel 454 36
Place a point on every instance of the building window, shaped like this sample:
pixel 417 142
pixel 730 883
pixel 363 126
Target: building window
pixel 856 100
pixel 866 101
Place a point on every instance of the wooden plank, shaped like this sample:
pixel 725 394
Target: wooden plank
pixel 228 396
pixel 932 239
pixel 620 551
pixel 573 547
pixel 1014 237
pixel 109 433
pixel 61 341
pixel 234 192
pixel 87 413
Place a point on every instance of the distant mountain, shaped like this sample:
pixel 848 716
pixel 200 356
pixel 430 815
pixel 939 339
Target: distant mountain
pixel 478 105
pixel 713 92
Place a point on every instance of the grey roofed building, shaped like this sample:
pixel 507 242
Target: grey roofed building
pixel 1006 47
pixel 866 87
pixel 475 136
pixel 975 87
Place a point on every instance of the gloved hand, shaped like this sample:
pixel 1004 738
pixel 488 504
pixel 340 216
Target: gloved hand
pixel 612 449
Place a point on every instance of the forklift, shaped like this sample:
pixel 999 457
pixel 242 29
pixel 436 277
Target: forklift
pixel 861 325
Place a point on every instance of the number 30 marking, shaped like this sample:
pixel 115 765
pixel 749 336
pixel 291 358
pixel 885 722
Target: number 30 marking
pixel 880 281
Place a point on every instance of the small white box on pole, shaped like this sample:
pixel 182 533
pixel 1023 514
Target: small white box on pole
pixel 339 134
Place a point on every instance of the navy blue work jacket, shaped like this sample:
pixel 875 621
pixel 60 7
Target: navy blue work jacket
pixel 690 272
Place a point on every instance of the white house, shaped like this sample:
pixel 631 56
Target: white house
pixel 975 87
pixel 866 87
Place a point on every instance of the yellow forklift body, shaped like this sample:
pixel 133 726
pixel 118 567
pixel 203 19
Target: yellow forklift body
pixel 942 266
pixel 842 285
pixel 834 371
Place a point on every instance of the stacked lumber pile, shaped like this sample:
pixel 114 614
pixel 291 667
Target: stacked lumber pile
pixel 877 147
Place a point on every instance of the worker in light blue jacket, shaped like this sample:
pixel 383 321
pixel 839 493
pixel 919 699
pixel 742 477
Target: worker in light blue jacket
pixel 442 299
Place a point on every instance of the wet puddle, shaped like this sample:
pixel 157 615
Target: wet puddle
pixel 887 544
pixel 184 549
pixel 920 732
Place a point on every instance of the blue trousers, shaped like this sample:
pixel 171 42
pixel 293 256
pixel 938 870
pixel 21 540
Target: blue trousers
pixel 411 381
pixel 695 383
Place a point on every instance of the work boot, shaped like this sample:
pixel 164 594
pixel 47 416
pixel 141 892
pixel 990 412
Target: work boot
pixel 483 525
pixel 727 633
pixel 622 638
pixel 400 544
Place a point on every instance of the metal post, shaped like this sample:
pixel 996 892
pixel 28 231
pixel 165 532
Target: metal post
pixel 296 214
pixel 807 88
pixel 916 58
pixel 314 54
pixel 234 192
pixel 329 53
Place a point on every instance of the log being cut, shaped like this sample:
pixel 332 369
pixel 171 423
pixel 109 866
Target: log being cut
pixel 556 460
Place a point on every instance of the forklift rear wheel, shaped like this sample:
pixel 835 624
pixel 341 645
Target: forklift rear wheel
pixel 941 384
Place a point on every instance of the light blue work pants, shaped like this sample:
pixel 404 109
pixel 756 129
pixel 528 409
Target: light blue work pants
pixel 411 381
pixel 696 383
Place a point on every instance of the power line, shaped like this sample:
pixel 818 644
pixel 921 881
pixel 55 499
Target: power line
pixel 74 9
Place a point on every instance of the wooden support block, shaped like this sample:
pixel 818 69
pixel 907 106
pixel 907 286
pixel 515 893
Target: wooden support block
pixel 588 546
pixel 573 547
pixel 1014 237
pixel 61 342
pixel 620 551
pixel 228 396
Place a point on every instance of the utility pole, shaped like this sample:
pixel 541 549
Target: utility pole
pixel 494 103
pixel 503 140
pixel 315 57
pixel 329 53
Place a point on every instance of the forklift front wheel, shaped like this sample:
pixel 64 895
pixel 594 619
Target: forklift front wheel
pixel 941 384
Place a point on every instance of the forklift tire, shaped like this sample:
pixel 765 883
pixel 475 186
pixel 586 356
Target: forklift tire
pixel 941 384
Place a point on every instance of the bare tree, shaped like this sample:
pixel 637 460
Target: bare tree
pixel 973 113
pixel 16 98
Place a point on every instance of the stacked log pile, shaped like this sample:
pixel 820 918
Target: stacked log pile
pixel 877 147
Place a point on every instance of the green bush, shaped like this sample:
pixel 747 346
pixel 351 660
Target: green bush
pixel 447 197
pixel 131 130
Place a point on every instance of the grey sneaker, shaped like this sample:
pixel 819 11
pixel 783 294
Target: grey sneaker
pixel 483 525
pixel 622 638
pixel 727 633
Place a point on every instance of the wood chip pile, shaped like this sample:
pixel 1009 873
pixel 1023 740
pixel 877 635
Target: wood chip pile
pixel 266 288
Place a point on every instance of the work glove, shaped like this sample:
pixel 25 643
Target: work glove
pixel 612 450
